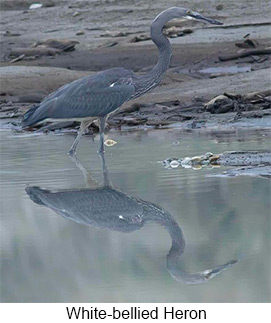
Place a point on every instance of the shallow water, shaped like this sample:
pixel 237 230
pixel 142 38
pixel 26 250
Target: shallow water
pixel 226 69
pixel 49 258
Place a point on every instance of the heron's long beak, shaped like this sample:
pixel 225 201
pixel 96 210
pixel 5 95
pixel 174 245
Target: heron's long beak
pixel 195 15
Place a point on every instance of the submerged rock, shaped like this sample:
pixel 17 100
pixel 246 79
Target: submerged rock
pixel 188 162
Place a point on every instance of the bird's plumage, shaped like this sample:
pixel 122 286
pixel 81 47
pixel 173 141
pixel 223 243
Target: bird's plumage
pixel 91 96
pixel 98 95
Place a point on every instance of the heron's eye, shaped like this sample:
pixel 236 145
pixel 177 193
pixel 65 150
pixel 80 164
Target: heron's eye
pixel 188 12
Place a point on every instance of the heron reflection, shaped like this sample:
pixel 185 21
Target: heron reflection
pixel 106 206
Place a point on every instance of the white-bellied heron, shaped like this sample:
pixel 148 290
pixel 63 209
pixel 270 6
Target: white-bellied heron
pixel 96 96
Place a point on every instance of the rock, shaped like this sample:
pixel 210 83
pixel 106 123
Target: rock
pixel 195 160
pixel 114 34
pixel 76 13
pixel 174 164
pixel 11 34
pixel 35 6
pixel 110 142
pixel 186 162
pixel 139 38
pixel 214 159
pixel 219 7
pixel 167 163
pixel 61 44
pixel 217 98
pixel 31 80
pixel 174 31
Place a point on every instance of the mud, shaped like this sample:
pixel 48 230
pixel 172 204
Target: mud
pixel 258 171
pixel 245 158
pixel 102 35
pixel 255 163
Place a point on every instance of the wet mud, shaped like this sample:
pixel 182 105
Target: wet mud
pixel 219 76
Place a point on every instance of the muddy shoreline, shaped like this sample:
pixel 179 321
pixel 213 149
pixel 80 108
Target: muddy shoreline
pixel 105 35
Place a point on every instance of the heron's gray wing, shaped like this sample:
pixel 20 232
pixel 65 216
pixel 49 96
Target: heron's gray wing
pixel 96 81
pixel 102 207
pixel 91 96
pixel 91 103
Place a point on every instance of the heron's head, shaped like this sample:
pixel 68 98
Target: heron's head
pixel 189 14
pixel 178 12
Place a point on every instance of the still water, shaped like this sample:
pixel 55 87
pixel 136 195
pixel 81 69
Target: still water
pixel 128 229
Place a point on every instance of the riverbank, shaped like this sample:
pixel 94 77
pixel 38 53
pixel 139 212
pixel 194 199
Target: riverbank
pixel 208 61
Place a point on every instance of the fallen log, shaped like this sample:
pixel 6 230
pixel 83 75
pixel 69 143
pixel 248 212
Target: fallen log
pixel 37 51
pixel 245 53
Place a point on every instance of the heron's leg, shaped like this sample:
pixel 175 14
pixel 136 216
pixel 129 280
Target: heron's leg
pixel 89 179
pixel 104 169
pixel 102 128
pixel 84 124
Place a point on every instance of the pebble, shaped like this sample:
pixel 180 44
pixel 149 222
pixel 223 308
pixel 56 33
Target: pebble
pixel 35 6
pixel 110 142
pixel 76 13
pixel 219 7
pixel 174 164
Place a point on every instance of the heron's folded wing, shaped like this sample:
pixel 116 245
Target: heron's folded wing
pixel 96 81
pixel 91 96
pixel 91 103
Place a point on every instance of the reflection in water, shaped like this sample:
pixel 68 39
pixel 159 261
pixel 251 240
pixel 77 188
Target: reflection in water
pixel 107 207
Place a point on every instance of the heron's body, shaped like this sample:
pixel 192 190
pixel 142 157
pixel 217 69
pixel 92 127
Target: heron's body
pixel 98 95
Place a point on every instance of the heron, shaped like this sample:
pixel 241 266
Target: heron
pixel 106 206
pixel 97 96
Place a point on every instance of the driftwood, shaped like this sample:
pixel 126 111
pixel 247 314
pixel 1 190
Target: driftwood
pixel 38 51
pixel 245 53
pixel 64 45
pixel 49 47
pixel 236 102
pixel 16 59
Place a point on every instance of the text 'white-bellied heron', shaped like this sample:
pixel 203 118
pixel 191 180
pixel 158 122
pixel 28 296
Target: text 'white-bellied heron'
pixel 98 95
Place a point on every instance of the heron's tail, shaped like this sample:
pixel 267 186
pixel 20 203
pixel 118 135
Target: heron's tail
pixel 30 117
pixel 36 194
pixel 36 114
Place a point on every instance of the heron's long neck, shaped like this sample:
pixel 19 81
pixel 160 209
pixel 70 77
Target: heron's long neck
pixel 153 213
pixel 154 76
pixel 164 48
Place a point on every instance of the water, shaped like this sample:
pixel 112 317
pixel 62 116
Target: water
pixel 226 69
pixel 48 258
